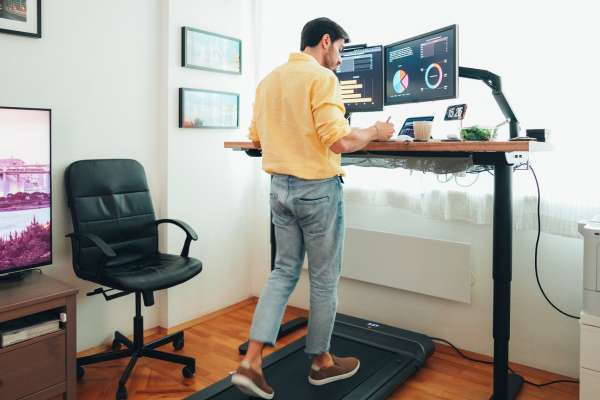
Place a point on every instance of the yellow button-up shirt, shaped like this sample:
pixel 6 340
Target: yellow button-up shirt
pixel 298 115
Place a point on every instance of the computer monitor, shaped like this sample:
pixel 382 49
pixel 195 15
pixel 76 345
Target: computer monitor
pixel 422 68
pixel 25 189
pixel 361 78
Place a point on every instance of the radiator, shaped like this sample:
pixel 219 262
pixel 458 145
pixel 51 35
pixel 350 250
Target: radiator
pixel 432 267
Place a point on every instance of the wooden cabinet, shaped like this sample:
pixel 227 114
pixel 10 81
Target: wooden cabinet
pixel 42 368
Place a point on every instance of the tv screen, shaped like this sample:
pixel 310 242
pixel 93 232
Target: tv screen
pixel 25 189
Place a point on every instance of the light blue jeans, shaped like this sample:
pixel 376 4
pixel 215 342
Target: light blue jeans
pixel 308 216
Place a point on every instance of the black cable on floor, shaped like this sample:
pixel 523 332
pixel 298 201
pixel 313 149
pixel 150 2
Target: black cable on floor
pixel 539 385
pixel 537 243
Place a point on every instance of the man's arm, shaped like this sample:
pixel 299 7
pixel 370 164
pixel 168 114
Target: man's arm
pixel 359 138
pixel 332 128
pixel 252 133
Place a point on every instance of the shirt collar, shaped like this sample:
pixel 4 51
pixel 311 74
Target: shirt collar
pixel 302 57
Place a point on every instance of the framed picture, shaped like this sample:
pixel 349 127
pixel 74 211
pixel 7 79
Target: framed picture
pixel 21 17
pixel 210 51
pixel 208 109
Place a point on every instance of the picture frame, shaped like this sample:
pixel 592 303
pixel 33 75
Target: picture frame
pixel 210 51
pixel 21 17
pixel 208 109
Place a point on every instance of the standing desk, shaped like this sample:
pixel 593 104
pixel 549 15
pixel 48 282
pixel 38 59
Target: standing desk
pixel 501 156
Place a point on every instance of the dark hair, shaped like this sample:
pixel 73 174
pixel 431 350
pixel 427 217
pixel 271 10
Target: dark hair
pixel 313 32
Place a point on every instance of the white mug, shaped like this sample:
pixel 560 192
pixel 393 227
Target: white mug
pixel 422 130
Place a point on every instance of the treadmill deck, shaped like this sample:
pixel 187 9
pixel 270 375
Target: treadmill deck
pixel 388 356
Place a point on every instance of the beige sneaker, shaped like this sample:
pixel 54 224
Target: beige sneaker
pixel 342 368
pixel 251 382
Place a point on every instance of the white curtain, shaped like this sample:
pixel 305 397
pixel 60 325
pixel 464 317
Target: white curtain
pixel 567 198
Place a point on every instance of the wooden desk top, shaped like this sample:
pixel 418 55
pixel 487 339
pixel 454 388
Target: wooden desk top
pixel 431 146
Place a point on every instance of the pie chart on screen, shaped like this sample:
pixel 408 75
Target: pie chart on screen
pixel 400 81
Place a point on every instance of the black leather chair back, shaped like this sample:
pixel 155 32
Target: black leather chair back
pixel 111 199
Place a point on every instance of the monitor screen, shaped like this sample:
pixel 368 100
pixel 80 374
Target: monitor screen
pixel 424 68
pixel 361 78
pixel 25 189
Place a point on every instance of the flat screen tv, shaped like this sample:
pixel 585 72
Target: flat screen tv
pixel 25 189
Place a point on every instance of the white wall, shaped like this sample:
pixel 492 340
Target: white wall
pixel 97 69
pixel 526 50
pixel 209 187
pixel 112 84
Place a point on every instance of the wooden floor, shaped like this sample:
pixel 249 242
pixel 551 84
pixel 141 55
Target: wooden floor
pixel 214 344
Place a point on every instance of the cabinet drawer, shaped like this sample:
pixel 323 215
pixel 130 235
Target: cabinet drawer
pixel 590 347
pixel 29 369
pixel 589 384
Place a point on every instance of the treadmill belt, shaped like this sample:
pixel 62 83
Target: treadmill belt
pixel 388 357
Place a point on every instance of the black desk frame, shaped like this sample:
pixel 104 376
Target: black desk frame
pixel 506 386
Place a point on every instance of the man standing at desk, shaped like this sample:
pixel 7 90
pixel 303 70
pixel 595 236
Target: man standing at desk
pixel 299 122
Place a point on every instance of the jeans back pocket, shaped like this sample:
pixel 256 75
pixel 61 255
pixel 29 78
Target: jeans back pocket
pixel 315 215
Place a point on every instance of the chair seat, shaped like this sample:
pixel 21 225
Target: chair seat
pixel 156 272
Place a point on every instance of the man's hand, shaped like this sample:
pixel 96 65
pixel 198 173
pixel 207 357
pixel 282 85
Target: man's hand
pixel 385 130
pixel 359 138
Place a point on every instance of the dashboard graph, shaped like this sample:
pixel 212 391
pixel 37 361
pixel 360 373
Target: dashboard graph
pixel 361 79
pixel 401 81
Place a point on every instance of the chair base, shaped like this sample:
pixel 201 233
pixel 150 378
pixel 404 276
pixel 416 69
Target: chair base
pixel 136 349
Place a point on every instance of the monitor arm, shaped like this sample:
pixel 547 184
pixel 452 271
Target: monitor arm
pixel 495 83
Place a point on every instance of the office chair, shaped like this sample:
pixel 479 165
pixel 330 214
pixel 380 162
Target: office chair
pixel 115 244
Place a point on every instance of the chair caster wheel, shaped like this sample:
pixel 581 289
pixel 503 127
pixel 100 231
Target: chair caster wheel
pixel 188 371
pixel 178 344
pixel 121 393
pixel 80 372
pixel 116 346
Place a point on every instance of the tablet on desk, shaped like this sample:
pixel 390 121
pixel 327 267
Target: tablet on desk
pixel 407 127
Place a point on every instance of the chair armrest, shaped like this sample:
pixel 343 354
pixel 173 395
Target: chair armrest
pixel 96 240
pixel 189 232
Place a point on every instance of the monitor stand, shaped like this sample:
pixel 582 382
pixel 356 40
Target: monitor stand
pixel 495 83
pixel 14 276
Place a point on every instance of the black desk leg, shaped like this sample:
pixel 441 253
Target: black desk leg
pixel 505 386
pixel 289 326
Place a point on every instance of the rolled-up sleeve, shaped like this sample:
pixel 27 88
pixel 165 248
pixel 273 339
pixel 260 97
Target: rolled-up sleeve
pixel 252 133
pixel 328 110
